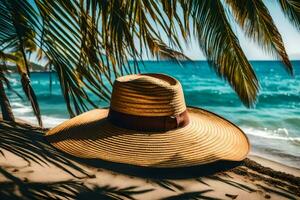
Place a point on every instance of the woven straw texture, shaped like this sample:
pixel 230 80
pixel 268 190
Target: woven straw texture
pixel 207 137
pixel 148 95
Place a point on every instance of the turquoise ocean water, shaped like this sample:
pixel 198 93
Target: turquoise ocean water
pixel 273 125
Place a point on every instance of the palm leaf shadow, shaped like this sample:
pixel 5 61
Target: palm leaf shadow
pixel 232 183
pixel 200 180
pixel 111 193
pixel 36 190
pixel 191 196
pixel 169 185
pixel 70 189
pixel 28 143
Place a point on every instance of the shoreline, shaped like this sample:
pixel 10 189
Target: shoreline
pixel 276 165
pixel 31 168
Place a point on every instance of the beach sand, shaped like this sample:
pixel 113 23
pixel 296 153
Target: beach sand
pixel 30 168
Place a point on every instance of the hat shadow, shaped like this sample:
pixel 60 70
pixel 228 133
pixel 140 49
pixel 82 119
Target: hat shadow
pixel 153 172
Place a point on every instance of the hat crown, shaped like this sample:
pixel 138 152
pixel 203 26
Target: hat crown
pixel 148 95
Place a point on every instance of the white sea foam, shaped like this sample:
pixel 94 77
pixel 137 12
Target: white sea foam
pixel 13 81
pixel 24 112
pixel 48 122
pixel 20 109
pixel 277 134
pixel 16 104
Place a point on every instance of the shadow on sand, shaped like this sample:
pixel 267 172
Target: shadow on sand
pixel 163 173
pixel 72 189
pixel 29 143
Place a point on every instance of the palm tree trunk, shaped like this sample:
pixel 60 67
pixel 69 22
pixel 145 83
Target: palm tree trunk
pixel 7 113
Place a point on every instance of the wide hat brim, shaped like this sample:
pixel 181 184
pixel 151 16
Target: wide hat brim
pixel 206 139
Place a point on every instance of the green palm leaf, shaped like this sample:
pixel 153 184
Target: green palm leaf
pixel 291 8
pixel 90 43
pixel 6 109
pixel 255 19
pixel 15 37
pixel 222 48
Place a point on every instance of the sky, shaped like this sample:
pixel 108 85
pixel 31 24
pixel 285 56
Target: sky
pixel 290 36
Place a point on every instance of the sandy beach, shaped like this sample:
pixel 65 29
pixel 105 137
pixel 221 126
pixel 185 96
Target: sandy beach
pixel 32 169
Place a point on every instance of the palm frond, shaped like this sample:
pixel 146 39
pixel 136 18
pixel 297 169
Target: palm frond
pixel 222 48
pixel 27 88
pixel 64 45
pixel 90 43
pixel 255 19
pixel 6 109
pixel 17 34
pixel 291 9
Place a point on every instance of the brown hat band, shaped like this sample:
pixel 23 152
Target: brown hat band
pixel 146 123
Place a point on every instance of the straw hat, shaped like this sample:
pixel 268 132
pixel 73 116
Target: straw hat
pixel 148 124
